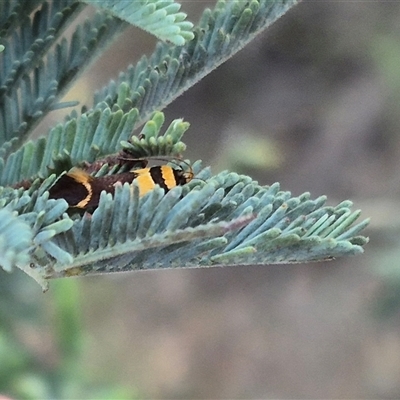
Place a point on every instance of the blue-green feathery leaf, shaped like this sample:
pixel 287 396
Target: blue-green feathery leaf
pixel 154 82
pixel 214 220
pixel 34 74
pixel 29 223
pixel 11 13
pixel 161 18
pixel 15 239
pixel 93 135
pixel 25 49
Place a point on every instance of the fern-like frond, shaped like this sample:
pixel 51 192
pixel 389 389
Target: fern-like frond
pixel 88 138
pixel 28 223
pixel 161 18
pixel 150 143
pixel 227 219
pixel 69 144
pixel 154 82
pixel 35 75
pixel 214 220
pixel 15 239
pixel 11 13
pixel 27 44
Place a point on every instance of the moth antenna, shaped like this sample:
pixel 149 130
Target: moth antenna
pixel 165 159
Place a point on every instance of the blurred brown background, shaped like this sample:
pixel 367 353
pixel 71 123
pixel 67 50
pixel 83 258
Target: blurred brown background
pixel 317 98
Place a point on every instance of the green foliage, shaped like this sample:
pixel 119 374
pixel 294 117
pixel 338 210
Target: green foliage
pixel 157 80
pixel 25 374
pixel 15 238
pixel 35 75
pixel 159 17
pixel 80 139
pixel 213 220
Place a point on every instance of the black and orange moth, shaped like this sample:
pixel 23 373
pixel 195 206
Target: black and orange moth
pixel 81 190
